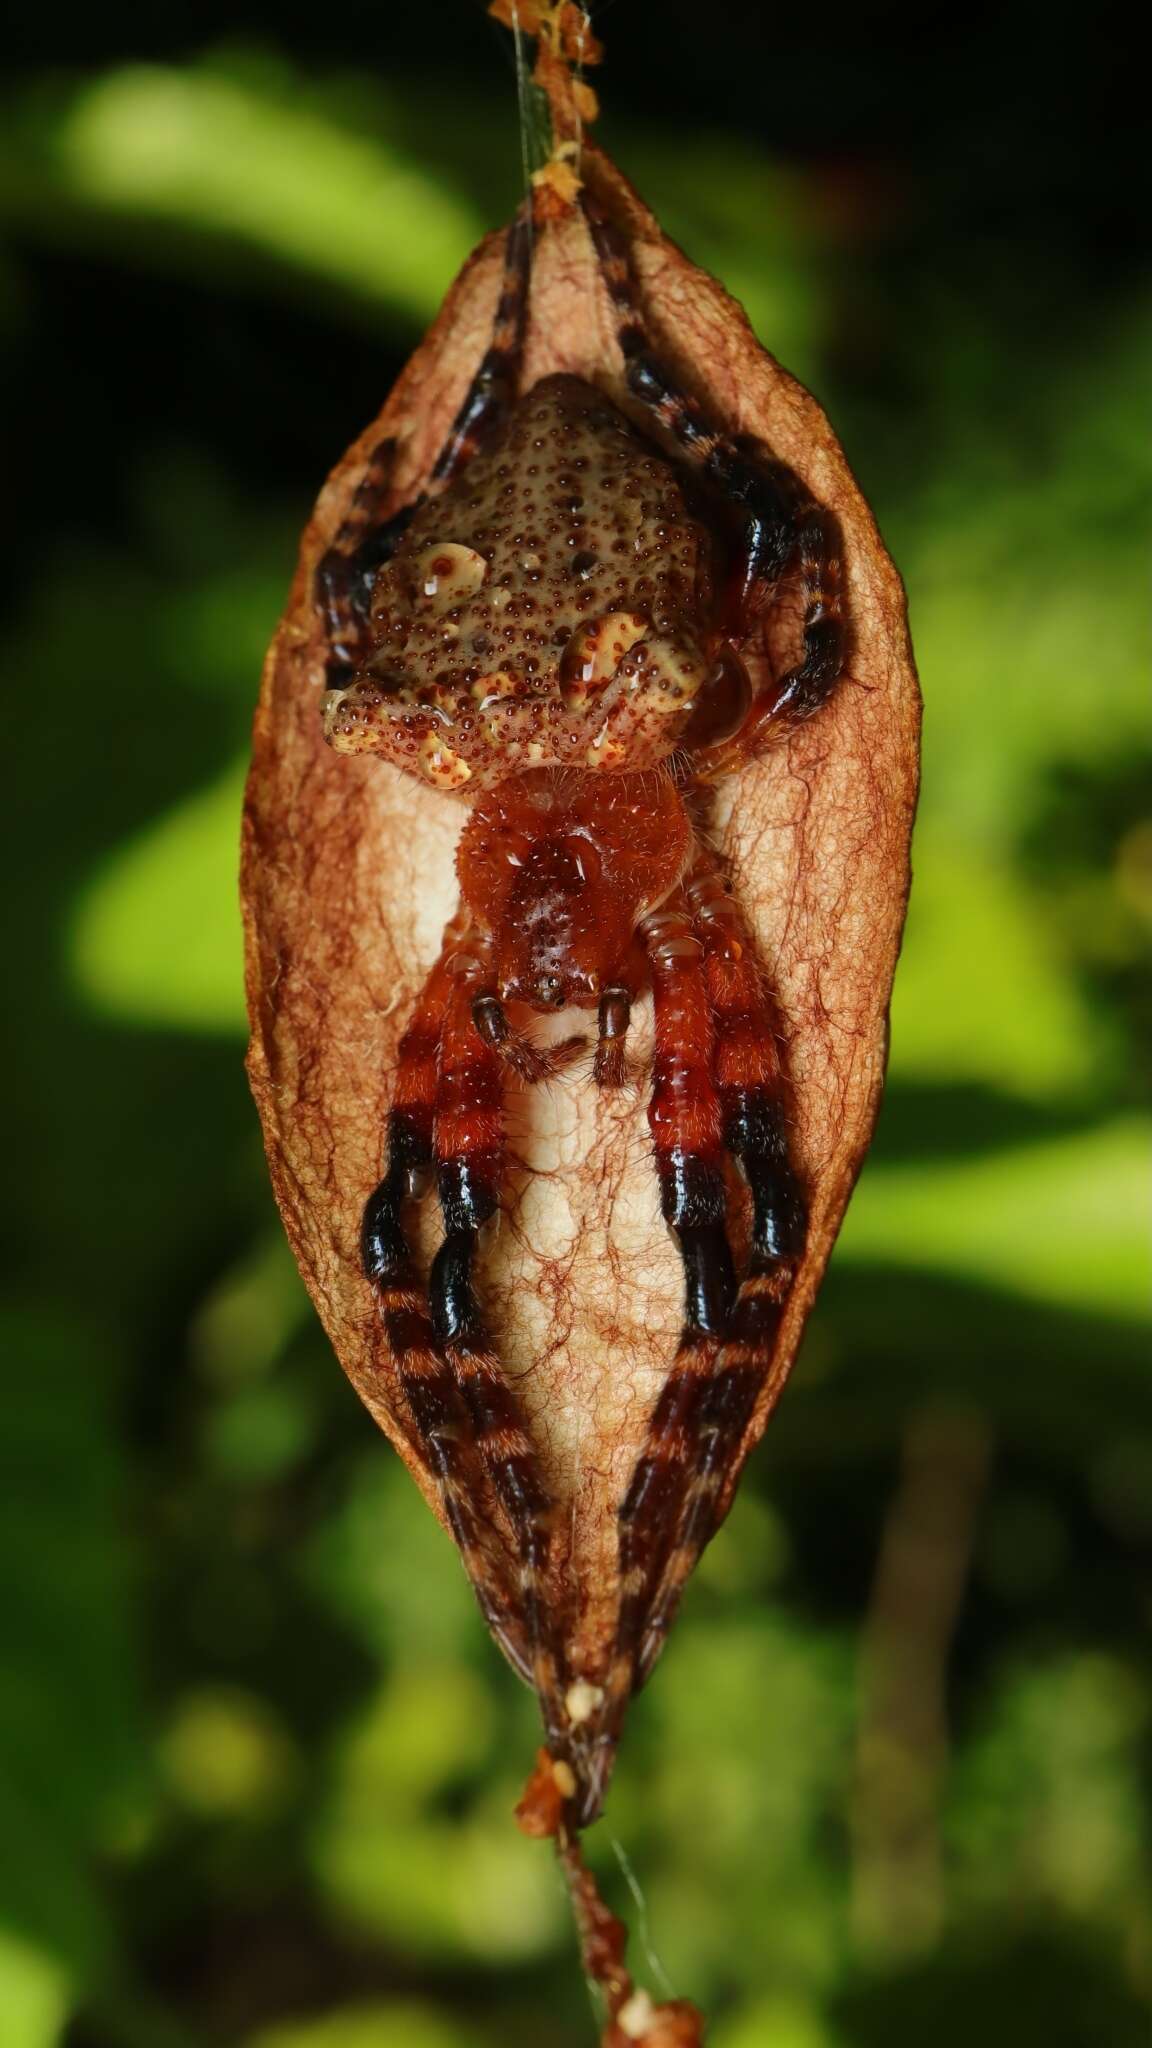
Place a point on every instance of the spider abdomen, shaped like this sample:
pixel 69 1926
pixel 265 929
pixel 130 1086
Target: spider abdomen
pixel 551 607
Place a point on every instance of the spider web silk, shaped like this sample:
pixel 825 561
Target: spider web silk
pixel 535 118
pixel 656 1968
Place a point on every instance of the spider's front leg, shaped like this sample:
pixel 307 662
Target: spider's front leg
pixel 751 1089
pixel 685 1118
pixel 469 1154
pixel 346 573
pixel 429 1389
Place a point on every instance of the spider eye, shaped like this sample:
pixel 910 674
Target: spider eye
pixel 722 705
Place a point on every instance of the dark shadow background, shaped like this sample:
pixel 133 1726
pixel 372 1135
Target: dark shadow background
pixel 258 1761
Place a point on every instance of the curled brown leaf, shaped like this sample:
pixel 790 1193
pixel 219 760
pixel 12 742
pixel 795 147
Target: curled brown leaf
pixel 348 882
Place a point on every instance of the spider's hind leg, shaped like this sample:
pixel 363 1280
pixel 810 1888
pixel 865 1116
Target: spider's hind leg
pixel 346 573
pixel 718 1088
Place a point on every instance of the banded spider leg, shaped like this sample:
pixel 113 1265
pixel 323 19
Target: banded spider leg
pixel 781 527
pixel 750 1087
pixel 717 1089
pixel 469 1133
pixel 431 1391
pixel 449 1114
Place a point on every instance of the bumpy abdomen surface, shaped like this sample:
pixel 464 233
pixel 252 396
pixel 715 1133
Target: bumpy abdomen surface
pixel 549 608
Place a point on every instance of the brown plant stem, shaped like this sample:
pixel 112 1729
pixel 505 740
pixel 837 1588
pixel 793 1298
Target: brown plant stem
pixel 902 1740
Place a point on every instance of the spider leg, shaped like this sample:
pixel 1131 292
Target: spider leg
pixel 685 1119
pixel 782 526
pixel 763 490
pixel 648 379
pixel 530 1062
pixel 750 1086
pixel 469 1150
pixel 493 387
pixel 346 573
pixel 428 1385
pixel 612 1023
pixel 806 686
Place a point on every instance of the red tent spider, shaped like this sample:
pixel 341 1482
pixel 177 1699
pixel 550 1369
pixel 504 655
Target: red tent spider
pixel 555 626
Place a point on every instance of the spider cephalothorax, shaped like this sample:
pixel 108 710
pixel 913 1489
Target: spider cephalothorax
pixel 558 871
pixel 554 628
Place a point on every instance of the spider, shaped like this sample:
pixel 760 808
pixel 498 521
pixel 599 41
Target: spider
pixel 554 630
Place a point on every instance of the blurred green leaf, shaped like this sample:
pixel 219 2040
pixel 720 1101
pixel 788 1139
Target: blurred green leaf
pixel 246 1320
pixel 388 1568
pixel 397 1865
pixel 401 2024
pixel 224 1752
pixel 779 2023
pixel 35 1995
pixel 982 993
pixel 750 1731
pixel 157 938
pixel 69 1712
pixel 1045 1799
pixel 1065 1222
pixel 258 162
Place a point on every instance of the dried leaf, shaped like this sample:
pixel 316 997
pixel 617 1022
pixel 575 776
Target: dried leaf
pixel 348 881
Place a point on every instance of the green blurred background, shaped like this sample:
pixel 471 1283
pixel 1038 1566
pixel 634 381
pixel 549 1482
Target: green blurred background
pixel 892 1784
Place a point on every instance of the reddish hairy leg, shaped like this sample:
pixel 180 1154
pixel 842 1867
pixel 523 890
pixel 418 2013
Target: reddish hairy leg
pixel 751 1087
pixel 430 1389
pixel 469 1152
pixel 718 1088
pixel 685 1117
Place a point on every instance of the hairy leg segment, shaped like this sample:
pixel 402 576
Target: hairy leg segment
pixel 430 1389
pixel 750 1085
pixel 718 1090
pixel 448 1119
pixel 718 1095
pixel 469 1147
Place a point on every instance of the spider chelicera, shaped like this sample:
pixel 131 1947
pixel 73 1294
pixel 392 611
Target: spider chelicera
pixel 554 629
